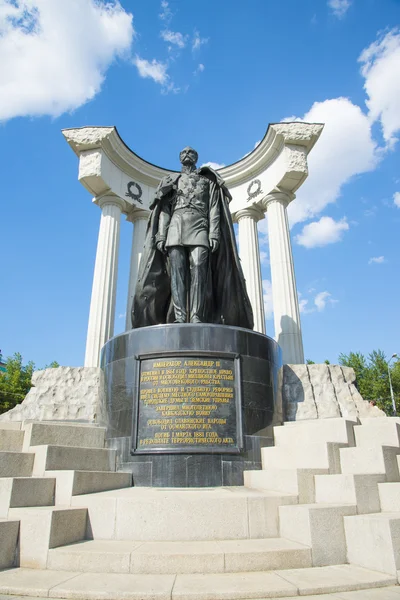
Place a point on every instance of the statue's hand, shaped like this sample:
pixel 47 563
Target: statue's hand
pixel 214 244
pixel 161 246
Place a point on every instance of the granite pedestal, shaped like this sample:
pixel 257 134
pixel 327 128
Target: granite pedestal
pixel 159 435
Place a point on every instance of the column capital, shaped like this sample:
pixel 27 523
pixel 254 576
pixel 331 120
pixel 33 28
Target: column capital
pixel 253 212
pixel 137 214
pixel 110 200
pixel 283 197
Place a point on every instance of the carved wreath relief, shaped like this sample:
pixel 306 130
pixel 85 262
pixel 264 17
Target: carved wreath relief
pixel 254 189
pixel 135 196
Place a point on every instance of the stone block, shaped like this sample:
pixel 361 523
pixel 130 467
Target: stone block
pixel 298 397
pixel 178 557
pixel 321 392
pixel 93 556
pixel 361 490
pixel 75 483
pixel 337 430
pixel 389 494
pixel 299 482
pixel 9 531
pixel 319 526
pixel 54 458
pixel 334 579
pixel 14 425
pixel 112 586
pixel 25 491
pixel 43 528
pixel 63 394
pixel 264 555
pixel 16 464
pixel 374 541
pixel 11 440
pixel 31 582
pixel 371 460
pixel 317 455
pixel 82 436
pixel 325 395
pixel 232 586
pixel 381 432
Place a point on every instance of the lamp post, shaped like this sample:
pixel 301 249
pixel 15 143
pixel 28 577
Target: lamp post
pixel 391 387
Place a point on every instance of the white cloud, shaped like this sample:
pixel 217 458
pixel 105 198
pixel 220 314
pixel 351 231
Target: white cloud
pixel 376 260
pixel 174 37
pixel 303 302
pixel 199 69
pixel 396 199
pixel 213 165
pixel 345 149
pixel 267 296
pixel 339 7
pixel 381 68
pixel 264 258
pixel 166 12
pixel 322 232
pixel 155 70
pixel 321 300
pixel 54 55
pixel 122 315
pixel 198 41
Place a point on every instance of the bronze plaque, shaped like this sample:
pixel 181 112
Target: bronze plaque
pixel 188 404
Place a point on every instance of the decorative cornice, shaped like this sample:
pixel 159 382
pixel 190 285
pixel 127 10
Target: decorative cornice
pixel 246 169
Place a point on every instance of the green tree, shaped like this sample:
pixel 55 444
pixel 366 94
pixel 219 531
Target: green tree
pixel 15 383
pixel 373 379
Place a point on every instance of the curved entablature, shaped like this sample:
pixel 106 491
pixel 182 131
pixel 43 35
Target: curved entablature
pixel 108 166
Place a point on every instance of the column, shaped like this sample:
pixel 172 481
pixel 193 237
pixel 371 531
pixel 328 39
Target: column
pixel 102 304
pixel 284 290
pixel 249 251
pixel 139 219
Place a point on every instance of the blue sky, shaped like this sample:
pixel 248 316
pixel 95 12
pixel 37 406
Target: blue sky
pixel 212 75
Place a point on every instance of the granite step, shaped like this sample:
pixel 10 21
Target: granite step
pixel 15 425
pixel 16 464
pixel 293 481
pixel 217 586
pixel 9 531
pixel 310 432
pixel 62 434
pixel 76 483
pixel 374 539
pixel 184 514
pixel 229 556
pixel 318 455
pixel 16 492
pixel 61 458
pixel 11 440
pixel 319 526
pixel 350 488
pixel 42 528
pixel 371 460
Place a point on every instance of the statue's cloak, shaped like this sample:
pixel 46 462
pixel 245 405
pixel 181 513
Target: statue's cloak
pixel 227 301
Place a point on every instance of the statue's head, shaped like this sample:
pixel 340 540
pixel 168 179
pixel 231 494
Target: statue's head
pixel 188 156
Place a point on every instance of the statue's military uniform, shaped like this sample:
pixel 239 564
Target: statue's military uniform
pixel 187 224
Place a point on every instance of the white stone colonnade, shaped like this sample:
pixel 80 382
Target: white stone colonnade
pixel 263 182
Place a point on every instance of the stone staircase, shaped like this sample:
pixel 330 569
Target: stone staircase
pixel 321 517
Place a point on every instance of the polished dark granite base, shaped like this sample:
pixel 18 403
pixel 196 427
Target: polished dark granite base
pixel 260 362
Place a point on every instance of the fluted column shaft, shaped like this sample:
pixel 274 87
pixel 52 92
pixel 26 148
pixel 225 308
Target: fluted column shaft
pixel 249 252
pixel 284 290
pixel 104 290
pixel 139 219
